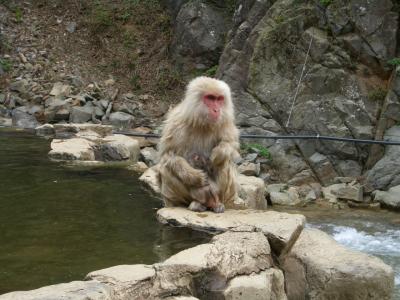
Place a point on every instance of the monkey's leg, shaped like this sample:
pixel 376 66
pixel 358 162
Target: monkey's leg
pixel 197 206
pixel 183 171
pixel 226 180
pixel 173 190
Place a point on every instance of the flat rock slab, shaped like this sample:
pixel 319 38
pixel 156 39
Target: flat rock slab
pixel 281 229
pixel 72 149
pixel 76 290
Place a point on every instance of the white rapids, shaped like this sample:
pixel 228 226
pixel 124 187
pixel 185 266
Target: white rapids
pixel 372 238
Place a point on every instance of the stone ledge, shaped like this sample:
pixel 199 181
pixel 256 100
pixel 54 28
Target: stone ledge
pixel 282 229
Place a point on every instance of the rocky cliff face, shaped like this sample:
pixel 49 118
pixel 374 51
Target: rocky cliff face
pixel 310 67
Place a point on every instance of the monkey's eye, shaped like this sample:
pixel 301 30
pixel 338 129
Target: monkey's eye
pixel 211 97
pixel 220 98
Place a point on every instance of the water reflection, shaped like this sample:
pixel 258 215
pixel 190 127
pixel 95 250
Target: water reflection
pixel 57 223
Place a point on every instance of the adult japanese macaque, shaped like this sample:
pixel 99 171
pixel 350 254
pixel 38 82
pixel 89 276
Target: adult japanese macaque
pixel 197 149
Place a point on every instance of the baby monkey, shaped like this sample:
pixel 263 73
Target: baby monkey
pixel 207 195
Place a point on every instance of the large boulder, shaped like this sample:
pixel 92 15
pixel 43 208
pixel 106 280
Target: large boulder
pixel 385 173
pixel 117 147
pixel 390 199
pixel 335 98
pixel 81 114
pixel 251 193
pixel 121 120
pixel 200 29
pixel 23 120
pixel 319 268
pixel 221 269
pixel 281 229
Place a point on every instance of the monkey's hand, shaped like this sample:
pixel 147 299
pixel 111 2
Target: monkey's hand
pixel 223 153
pixel 184 171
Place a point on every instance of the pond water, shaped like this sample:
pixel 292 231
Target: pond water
pixel 58 223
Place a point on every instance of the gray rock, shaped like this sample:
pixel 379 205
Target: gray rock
pixel 249 169
pixel 81 114
pixel 56 110
pixel 45 130
pixel 348 192
pixel 121 120
pixel 251 157
pixel 390 199
pixel 71 27
pixel 251 193
pixel 289 198
pixel 20 86
pixel 304 177
pixel 385 173
pixel 150 156
pixel 173 6
pixel 7 122
pixel 60 90
pixel 276 187
pixel 328 191
pixel 311 196
pixel 118 148
pixel 200 29
pixel 125 107
pixel 103 103
pixel 319 268
pixel 23 120
pixel 349 168
pixel 323 168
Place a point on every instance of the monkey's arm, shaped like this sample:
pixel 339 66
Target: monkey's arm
pixel 228 149
pixel 178 166
pixel 224 152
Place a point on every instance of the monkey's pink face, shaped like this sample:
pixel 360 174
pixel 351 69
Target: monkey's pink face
pixel 214 103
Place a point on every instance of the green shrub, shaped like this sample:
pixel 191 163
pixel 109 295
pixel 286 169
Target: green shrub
pixel 18 14
pixel 325 2
pixel 211 71
pixel 6 64
pixel 135 82
pixel 262 151
pixel 394 62
pixel 378 94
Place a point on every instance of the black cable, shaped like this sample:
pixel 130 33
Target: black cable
pixel 279 137
pixel 283 137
